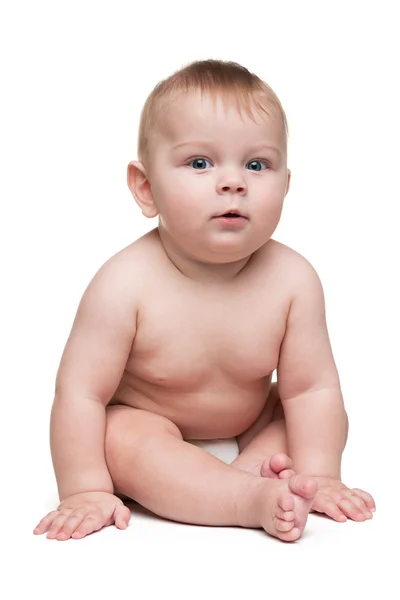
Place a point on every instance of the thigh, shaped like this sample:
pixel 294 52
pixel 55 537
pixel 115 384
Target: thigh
pixel 127 429
pixel 272 410
pixel 126 425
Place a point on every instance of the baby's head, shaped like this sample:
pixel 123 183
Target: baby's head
pixel 212 138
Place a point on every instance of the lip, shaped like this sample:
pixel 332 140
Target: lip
pixel 232 222
pixel 233 211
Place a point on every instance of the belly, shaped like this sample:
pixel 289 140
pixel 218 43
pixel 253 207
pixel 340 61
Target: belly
pixel 205 365
pixel 214 411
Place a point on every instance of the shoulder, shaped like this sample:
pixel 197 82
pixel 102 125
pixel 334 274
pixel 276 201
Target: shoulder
pixel 125 270
pixel 291 269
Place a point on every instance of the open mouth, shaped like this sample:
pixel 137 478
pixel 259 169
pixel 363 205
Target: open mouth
pixel 230 215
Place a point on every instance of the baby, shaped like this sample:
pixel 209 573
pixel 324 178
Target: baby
pixel 177 336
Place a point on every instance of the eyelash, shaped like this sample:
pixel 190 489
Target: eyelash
pixel 265 162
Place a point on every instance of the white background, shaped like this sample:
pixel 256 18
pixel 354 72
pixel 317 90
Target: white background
pixel 74 76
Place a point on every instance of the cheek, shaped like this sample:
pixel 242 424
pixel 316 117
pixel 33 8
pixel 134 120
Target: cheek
pixel 177 204
pixel 273 188
pixel 267 200
pixel 187 192
pixel 186 181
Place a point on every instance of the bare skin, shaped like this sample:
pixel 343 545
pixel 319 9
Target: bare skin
pixel 208 401
pixel 182 482
pixel 266 435
pixel 182 330
pixel 204 390
pixel 263 449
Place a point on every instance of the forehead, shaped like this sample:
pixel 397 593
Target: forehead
pixel 194 115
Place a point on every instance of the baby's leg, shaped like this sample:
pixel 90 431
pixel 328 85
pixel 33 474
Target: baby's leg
pixel 263 439
pixel 151 463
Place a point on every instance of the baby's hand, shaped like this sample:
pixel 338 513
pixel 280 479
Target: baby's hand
pixel 82 514
pixel 339 502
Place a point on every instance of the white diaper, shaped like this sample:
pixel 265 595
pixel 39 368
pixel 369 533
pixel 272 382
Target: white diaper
pixel 226 450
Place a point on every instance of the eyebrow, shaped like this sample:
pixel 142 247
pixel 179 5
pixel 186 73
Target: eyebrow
pixel 255 149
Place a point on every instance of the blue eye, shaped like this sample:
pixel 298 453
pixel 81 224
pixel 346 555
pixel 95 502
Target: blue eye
pixel 200 162
pixel 253 165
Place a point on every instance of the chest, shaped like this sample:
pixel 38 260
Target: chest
pixel 187 341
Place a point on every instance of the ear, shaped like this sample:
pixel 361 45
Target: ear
pixel 140 188
pixel 288 181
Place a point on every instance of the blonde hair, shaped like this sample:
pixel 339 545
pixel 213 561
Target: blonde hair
pixel 221 79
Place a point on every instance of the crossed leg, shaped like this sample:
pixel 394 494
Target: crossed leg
pixel 150 462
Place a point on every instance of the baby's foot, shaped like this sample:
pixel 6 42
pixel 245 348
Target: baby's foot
pixel 286 506
pixel 279 466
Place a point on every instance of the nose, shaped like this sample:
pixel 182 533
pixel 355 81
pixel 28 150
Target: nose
pixel 232 183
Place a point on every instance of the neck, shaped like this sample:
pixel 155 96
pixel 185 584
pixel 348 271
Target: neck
pixel 196 270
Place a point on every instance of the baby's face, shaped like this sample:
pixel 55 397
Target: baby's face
pixel 207 160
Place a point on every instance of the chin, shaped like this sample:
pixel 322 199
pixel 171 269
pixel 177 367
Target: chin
pixel 224 255
pixel 229 252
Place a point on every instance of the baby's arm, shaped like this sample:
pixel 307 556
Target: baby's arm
pixel 91 367
pixel 309 388
pixel 308 380
pixel 90 370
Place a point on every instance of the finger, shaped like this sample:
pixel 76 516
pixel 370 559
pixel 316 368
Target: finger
pixel 45 523
pixel 330 508
pixel 351 510
pixel 368 499
pixel 88 525
pixel 122 517
pixel 56 525
pixel 319 502
pixel 71 524
pixel 360 504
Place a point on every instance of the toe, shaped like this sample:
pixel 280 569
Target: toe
pixel 290 536
pixel 286 474
pixel 285 526
pixel 285 515
pixel 286 502
pixel 266 471
pixel 303 485
pixel 280 461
